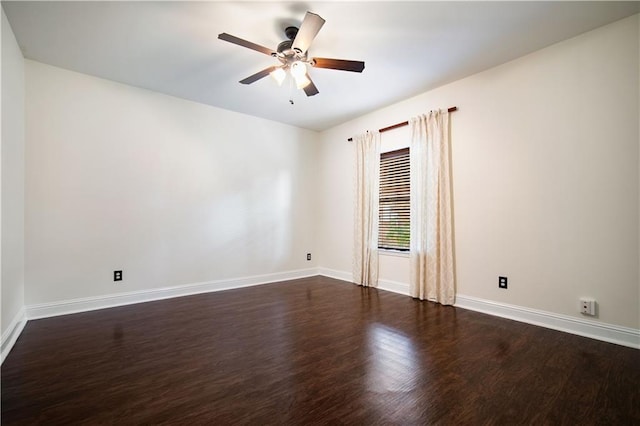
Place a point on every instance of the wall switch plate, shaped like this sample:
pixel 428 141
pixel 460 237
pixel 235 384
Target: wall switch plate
pixel 308 256
pixel 587 306
pixel 117 275
pixel 502 282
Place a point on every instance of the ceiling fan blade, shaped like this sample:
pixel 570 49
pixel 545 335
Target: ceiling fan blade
pixel 310 89
pixel 338 64
pixel 308 30
pixel 257 76
pixel 245 43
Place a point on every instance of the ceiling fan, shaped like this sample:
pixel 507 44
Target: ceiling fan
pixel 292 54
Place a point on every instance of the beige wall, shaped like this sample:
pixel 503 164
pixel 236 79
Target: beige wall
pixel 545 177
pixel 13 167
pixel 170 191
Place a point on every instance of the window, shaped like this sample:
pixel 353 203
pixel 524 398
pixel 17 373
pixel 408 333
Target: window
pixel 394 200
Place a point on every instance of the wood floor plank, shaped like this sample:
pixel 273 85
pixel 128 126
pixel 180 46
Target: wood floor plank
pixel 311 351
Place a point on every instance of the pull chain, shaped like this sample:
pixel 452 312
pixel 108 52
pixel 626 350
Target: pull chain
pixel 291 91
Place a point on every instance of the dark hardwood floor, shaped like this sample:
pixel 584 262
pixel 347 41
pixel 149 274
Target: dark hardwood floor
pixel 311 351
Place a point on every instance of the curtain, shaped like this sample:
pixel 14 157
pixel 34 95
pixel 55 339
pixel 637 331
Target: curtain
pixel 365 262
pixel 431 247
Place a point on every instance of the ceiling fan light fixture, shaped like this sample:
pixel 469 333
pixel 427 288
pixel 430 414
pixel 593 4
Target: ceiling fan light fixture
pixel 298 70
pixel 278 75
pixel 302 82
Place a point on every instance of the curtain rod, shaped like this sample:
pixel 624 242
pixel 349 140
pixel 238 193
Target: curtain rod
pixel 404 123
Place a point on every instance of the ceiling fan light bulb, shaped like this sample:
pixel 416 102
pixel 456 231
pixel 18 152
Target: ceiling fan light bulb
pixel 302 82
pixel 298 69
pixel 278 75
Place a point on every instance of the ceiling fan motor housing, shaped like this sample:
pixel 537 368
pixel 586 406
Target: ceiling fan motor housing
pixel 285 47
pixel 286 53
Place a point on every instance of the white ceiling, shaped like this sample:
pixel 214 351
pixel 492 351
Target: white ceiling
pixel 408 47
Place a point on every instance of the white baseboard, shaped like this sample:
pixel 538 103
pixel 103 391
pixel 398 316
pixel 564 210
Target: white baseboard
pixel 394 286
pixel 388 285
pixel 338 275
pixel 64 307
pixel 12 333
pixel 611 333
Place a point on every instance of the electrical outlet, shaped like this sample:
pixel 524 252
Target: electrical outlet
pixel 117 275
pixel 587 306
pixel 308 256
pixel 502 282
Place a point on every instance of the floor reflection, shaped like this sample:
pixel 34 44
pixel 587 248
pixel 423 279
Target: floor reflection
pixel 393 362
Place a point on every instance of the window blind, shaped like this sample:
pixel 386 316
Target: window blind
pixel 394 200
